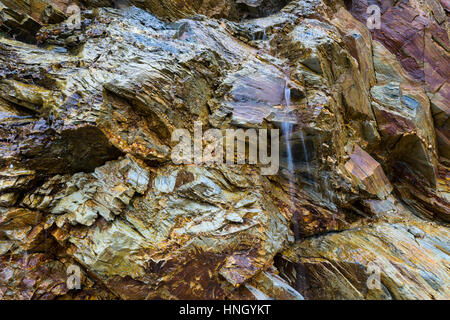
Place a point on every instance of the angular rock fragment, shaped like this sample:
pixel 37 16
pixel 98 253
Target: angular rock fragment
pixel 368 173
pixel 87 118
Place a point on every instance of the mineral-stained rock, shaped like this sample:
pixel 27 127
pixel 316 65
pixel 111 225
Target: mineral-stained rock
pixel 231 9
pixel 37 276
pixel 15 179
pixel 416 33
pixel 364 263
pixel 87 117
pixel 408 122
pixel 441 113
pixel 161 226
pixel 177 9
pixel 44 11
pixel 359 42
pixel 18 218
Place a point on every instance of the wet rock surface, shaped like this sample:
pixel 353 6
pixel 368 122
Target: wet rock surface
pixel 87 115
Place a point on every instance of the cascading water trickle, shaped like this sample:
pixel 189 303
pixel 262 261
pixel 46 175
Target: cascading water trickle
pixel 287 132
pixel 287 128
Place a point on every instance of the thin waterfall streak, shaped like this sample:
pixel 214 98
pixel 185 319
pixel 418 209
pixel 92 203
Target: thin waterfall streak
pixel 287 129
pixel 305 152
pixel 287 96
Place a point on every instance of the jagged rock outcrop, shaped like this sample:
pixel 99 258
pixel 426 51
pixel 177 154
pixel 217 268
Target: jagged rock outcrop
pixel 366 263
pixel 415 46
pixel 87 179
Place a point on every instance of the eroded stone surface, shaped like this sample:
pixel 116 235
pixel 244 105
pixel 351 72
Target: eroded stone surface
pixel 340 266
pixel 86 178
pixel 369 173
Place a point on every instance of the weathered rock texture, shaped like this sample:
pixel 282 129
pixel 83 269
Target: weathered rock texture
pixel 86 177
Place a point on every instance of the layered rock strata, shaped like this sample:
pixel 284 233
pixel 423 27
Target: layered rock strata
pixel 87 181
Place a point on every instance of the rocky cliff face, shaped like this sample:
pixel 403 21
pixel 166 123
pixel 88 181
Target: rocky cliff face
pixel 86 177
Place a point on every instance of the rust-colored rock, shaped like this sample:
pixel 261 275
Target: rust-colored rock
pixel 368 173
pixel 87 181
